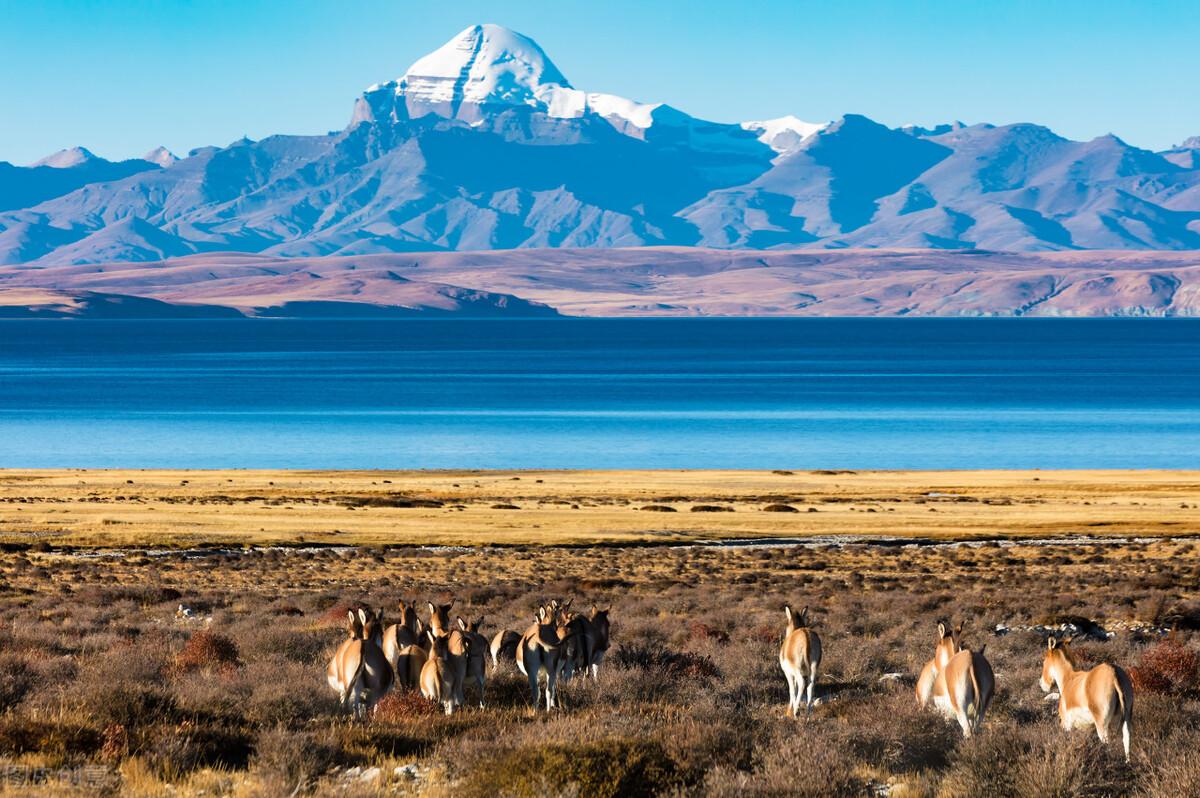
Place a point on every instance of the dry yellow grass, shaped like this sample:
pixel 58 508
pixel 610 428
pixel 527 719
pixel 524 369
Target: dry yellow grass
pixel 186 508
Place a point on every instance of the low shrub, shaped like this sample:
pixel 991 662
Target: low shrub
pixel 1166 667
pixel 699 630
pixel 207 650
pixel 289 760
pixel 604 769
pixel 21 735
pixel 189 746
pixel 16 679
pixel 400 705
pixel 671 664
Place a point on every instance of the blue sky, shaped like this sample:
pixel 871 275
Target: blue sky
pixel 123 77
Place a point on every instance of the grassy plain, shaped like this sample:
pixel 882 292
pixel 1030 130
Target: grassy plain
pixel 191 508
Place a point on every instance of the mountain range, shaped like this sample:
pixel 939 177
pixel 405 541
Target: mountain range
pixel 484 144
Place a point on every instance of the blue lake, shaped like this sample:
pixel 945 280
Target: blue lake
pixel 602 393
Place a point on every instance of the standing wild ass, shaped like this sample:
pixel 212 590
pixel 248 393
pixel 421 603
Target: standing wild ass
pixel 799 657
pixel 541 649
pixel 1088 698
pixel 963 689
pixel 402 645
pixel 946 648
pixel 477 649
pixel 359 671
pixel 437 675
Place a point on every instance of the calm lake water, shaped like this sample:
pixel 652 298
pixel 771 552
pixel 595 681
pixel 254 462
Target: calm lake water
pixel 602 393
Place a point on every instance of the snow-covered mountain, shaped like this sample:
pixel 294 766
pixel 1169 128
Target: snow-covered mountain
pixel 485 144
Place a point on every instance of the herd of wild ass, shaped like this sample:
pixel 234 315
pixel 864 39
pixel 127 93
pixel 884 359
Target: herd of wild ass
pixel 438 657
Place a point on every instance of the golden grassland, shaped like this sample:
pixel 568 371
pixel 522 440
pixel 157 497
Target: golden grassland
pixel 90 508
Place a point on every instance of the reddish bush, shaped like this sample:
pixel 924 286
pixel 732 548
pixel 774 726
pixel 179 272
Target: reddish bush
pixel 115 743
pixel 673 664
pixel 207 650
pixel 403 704
pixel 336 615
pixel 1166 667
pixel 764 633
pixel 699 630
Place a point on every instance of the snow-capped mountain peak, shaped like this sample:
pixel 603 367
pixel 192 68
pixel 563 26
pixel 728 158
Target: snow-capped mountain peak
pixel 161 156
pixel 488 68
pixel 65 159
pixel 785 133
pixel 484 65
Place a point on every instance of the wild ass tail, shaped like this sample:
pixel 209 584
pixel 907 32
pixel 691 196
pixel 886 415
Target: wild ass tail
pixel 976 706
pixel 1124 684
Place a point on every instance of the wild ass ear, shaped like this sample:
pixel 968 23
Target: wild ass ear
pixel 362 616
pixel 593 611
pixel 958 629
pixel 432 609
pixel 462 625
pixel 353 619
pixel 941 630
pixel 541 613
pixel 804 616
pixel 790 618
pixel 1051 642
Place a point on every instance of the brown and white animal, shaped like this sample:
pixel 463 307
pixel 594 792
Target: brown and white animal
pixel 598 646
pixel 800 658
pixel 1098 697
pixel 477 649
pixel 439 618
pixel 504 647
pixel 402 645
pixel 437 675
pixel 359 671
pixel 947 647
pixel 460 645
pixel 540 651
pixel 963 689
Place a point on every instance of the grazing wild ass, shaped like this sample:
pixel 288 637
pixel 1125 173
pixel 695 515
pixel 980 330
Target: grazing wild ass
pixel 946 648
pixel 402 645
pixel 437 675
pixel 799 657
pixel 359 672
pixel 541 649
pixel 1088 698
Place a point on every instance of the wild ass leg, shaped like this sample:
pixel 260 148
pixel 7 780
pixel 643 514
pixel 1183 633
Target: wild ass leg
pixel 534 695
pixel 551 688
